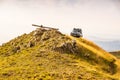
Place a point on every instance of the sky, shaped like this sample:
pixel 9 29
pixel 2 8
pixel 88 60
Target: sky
pixel 99 19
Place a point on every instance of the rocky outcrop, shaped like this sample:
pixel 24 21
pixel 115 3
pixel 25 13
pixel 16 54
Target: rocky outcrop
pixel 67 47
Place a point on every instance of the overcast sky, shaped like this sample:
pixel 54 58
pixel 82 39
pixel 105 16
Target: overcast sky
pixel 97 18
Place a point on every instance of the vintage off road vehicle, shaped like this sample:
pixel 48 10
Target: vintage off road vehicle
pixel 77 32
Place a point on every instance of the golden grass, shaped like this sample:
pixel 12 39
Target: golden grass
pixel 99 51
pixel 40 62
pixel 94 48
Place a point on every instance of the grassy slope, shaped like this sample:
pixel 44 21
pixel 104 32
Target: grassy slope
pixel 117 54
pixel 42 62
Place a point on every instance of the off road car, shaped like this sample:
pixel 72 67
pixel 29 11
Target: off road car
pixel 77 32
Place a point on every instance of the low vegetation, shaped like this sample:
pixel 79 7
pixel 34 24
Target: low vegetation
pixel 51 55
pixel 116 53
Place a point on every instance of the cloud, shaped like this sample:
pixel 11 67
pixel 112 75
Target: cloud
pixel 95 17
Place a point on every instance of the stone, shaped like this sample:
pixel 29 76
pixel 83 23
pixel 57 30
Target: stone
pixel 15 49
pixel 30 44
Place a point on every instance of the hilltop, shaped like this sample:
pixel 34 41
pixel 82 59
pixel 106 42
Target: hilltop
pixel 50 55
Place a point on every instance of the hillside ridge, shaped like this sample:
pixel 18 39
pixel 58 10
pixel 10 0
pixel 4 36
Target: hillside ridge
pixel 49 54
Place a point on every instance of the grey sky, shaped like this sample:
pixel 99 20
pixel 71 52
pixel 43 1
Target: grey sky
pixel 100 18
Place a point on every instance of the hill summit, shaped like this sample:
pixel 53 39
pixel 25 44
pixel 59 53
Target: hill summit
pixel 47 54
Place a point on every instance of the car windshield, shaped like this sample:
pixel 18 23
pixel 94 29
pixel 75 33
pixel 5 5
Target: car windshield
pixel 76 30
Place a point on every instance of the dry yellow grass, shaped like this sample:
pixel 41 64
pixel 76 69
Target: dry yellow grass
pixel 94 48
pixel 99 51
pixel 42 62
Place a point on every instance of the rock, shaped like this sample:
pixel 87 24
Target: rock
pixel 67 47
pixel 30 44
pixel 15 49
pixel 39 31
pixel 50 34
